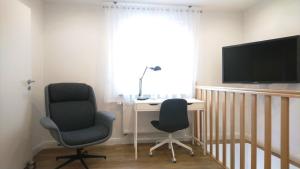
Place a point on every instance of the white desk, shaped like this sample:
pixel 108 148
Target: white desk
pixel 154 105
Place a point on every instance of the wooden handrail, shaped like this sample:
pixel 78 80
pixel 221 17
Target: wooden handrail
pixel 271 92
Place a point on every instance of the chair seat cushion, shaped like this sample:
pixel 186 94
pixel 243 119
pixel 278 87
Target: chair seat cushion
pixel 156 125
pixel 169 129
pixel 85 136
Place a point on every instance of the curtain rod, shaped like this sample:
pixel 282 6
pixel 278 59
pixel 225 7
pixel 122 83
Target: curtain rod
pixel 192 7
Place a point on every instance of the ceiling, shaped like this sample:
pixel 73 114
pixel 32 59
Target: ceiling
pixel 219 4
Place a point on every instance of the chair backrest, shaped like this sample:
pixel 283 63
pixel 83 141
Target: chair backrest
pixel 173 115
pixel 71 106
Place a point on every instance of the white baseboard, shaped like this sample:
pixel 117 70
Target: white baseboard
pixel 44 145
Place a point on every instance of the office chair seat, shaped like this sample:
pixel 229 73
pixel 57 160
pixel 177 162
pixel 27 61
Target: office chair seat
pixel 171 129
pixel 155 124
pixel 85 136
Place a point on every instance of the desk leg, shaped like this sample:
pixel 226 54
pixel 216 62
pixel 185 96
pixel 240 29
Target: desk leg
pixel 198 123
pixel 204 122
pixel 135 135
pixel 193 128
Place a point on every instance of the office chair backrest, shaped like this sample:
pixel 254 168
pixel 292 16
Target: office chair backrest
pixel 173 115
pixel 70 105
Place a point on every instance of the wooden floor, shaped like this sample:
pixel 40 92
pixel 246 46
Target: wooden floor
pixel 122 157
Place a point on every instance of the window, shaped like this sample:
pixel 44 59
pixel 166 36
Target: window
pixel 149 36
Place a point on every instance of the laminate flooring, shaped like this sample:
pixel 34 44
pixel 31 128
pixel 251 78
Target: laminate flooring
pixel 122 157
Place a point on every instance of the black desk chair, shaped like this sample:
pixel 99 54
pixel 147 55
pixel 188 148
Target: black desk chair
pixel 73 121
pixel 172 117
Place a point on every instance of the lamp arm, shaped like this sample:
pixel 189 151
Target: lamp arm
pixel 144 73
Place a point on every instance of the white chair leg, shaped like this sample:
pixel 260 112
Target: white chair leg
pixel 173 153
pixel 170 141
pixel 158 145
pixel 183 145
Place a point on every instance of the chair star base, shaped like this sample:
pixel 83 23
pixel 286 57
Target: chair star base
pixel 170 141
pixel 80 155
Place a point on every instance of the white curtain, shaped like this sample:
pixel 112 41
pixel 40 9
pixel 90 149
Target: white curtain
pixel 150 35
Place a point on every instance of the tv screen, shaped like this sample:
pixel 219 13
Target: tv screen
pixel 271 61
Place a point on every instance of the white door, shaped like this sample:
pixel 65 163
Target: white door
pixel 15 70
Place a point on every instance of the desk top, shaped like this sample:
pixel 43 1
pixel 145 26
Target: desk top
pixel 161 100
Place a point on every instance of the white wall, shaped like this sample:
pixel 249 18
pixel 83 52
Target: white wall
pixel 74 42
pixel 219 28
pixel 272 19
pixel 267 20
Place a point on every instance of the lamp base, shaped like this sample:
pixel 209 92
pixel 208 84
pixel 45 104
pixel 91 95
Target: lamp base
pixel 143 98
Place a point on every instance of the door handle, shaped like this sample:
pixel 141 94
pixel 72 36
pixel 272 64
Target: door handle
pixel 30 81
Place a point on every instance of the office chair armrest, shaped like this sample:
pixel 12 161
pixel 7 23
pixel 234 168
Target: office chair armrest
pixel 106 118
pixel 48 124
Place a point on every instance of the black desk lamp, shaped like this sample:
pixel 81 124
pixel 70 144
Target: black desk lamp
pixel 140 97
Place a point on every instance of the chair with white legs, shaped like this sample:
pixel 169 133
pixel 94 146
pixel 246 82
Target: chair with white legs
pixel 172 117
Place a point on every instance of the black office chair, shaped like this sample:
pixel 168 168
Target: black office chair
pixel 172 117
pixel 73 121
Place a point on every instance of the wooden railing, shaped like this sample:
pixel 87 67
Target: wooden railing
pixel 228 97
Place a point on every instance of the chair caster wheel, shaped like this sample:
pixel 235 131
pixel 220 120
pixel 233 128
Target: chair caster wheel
pixel 173 160
pixel 150 154
pixel 192 154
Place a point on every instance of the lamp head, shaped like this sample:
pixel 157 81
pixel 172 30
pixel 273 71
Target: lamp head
pixel 156 68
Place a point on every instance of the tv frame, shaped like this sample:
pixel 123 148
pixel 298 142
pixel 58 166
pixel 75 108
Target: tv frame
pixel 265 82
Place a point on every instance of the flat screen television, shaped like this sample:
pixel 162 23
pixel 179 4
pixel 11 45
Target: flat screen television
pixel 270 61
